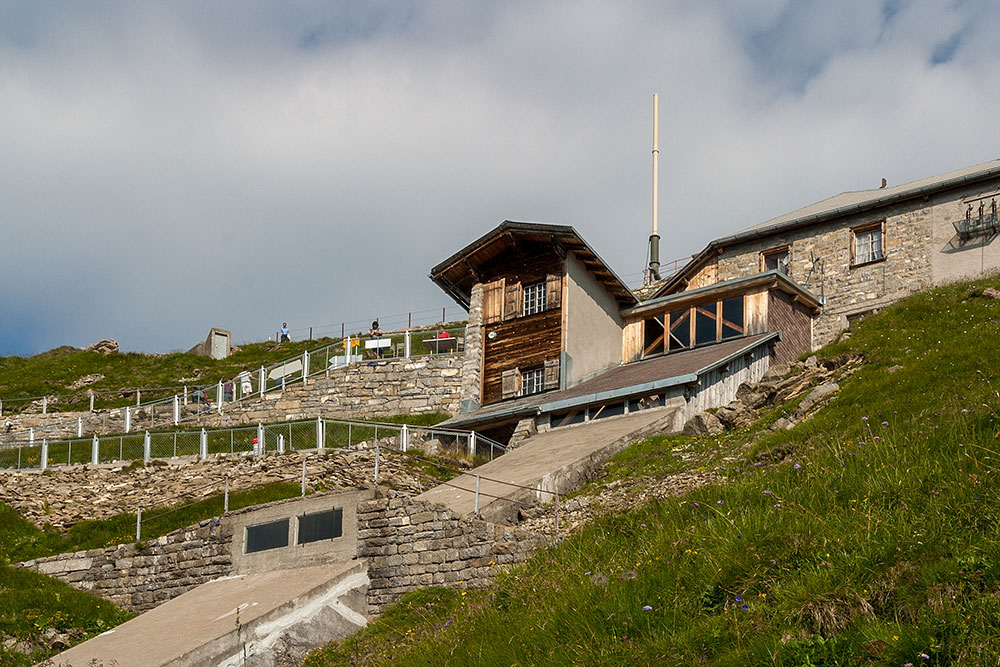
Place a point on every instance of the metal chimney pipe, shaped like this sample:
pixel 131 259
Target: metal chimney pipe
pixel 654 238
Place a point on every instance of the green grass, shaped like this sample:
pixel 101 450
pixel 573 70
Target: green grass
pixel 866 535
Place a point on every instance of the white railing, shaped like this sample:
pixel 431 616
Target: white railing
pixel 190 400
pixel 313 434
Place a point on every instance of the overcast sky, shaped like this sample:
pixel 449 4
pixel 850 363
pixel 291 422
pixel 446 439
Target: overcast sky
pixel 170 167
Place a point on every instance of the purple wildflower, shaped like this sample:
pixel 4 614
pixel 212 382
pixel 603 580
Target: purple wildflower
pixel 964 410
pixel 746 607
pixel 767 491
pixel 885 423
pixel 739 598
pixel 924 656
pixel 647 608
pixel 864 419
pixel 720 502
pixel 796 466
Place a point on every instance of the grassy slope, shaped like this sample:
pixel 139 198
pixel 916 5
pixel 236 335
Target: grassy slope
pixel 864 536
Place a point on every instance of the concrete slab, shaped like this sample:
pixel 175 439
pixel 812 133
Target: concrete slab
pixel 242 620
pixel 556 461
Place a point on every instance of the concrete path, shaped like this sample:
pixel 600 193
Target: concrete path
pixel 252 620
pixel 555 461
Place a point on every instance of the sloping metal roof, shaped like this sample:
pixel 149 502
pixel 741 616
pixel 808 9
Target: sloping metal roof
pixel 637 378
pixel 457 274
pixel 846 203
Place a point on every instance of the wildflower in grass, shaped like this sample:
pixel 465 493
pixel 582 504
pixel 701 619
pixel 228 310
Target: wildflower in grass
pixel 964 410
pixel 739 598
pixel 642 525
pixel 647 608
pixel 447 623
pixel 796 466
pixel 587 573
pixel 924 656
pixel 885 423
pixel 864 419
pixel 757 464
pixel 720 502
pixel 777 505
pixel 767 491
pixel 745 607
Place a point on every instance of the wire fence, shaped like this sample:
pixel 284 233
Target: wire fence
pixel 167 506
pixel 192 401
pixel 313 434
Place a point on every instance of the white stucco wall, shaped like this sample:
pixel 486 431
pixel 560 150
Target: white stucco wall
pixel 593 326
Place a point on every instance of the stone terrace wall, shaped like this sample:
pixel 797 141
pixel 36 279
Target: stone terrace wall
pixel 142 579
pixel 365 390
pixel 410 544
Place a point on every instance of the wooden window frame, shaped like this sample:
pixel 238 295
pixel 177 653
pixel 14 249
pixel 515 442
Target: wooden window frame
pixel 867 229
pixel 534 298
pixel 532 381
pixel 688 319
pixel 777 250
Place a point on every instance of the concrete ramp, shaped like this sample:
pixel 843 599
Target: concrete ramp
pixel 255 619
pixel 555 461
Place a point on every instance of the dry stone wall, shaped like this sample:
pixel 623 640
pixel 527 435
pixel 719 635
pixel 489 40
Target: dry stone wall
pixel 365 390
pixel 141 578
pixel 410 544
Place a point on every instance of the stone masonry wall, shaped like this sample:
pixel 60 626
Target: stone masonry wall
pixel 820 261
pixel 410 544
pixel 365 390
pixel 141 579
pixel 472 367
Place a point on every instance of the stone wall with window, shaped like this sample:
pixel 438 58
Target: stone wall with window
pixel 825 260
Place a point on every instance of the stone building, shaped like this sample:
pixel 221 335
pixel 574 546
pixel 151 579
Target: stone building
pixel 860 251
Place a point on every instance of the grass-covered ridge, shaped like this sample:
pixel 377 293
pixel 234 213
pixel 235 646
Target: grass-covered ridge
pixel 866 535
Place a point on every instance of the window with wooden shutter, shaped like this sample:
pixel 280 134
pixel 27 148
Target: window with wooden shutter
pixel 493 294
pixel 553 291
pixel 552 374
pixel 510 383
pixel 512 301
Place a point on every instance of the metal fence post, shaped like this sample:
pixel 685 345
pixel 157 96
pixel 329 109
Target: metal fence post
pixel 45 454
pixel 305 366
pixel 406 344
pixel 225 501
pixel 1 408
pixel 177 410
pixel 31 436
pixel 138 524
pixel 281 443
pixel 45 404
pixel 95 451
pixel 128 419
pixel 263 384
pixel 260 440
pixel 303 478
pixel 220 397
pixel 138 397
pixel 79 427
pixel 477 496
pixel 472 443
pixel 320 436
pixel 91 401
pixel 404 437
pixel 376 461
pixel 146 447
pixel 185 395
pixel 204 444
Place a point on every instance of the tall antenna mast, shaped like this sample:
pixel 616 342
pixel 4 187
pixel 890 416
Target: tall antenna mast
pixel 653 272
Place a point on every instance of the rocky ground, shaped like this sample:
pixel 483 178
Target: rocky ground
pixel 61 497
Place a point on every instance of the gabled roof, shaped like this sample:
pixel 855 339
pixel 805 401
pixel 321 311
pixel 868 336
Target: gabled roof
pixel 844 204
pixel 457 274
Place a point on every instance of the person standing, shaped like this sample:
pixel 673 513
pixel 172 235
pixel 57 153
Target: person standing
pixel 246 382
pixel 285 333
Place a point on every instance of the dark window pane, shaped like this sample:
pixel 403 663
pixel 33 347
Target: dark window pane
pixel 732 317
pixel 704 326
pixel 273 535
pixel 653 336
pixel 680 329
pixel 321 526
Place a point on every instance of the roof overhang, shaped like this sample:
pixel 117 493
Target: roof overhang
pixel 460 272
pixel 767 280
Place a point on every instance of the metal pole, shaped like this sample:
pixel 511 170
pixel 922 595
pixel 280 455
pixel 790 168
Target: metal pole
pixel 45 454
pixel 95 451
pixel 472 444
pixel 138 524
pixel 477 496
pixel 305 366
pixel 320 440
pixel 404 437
pixel 281 443
pixel 376 461
pixel 185 395
pixel 260 440
pixel 219 396
pixel 406 344
pixel 128 419
pixel 204 444
pixel 263 382
pixel 91 401
pixel 31 435
pixel 225 501
pixel 303 478
pixel 146 447
pixel 45 404
pixel 79 427
pixel 177 410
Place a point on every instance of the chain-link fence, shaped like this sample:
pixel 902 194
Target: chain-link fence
pixel 312 434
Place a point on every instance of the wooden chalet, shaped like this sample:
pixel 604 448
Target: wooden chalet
pixel 562 340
